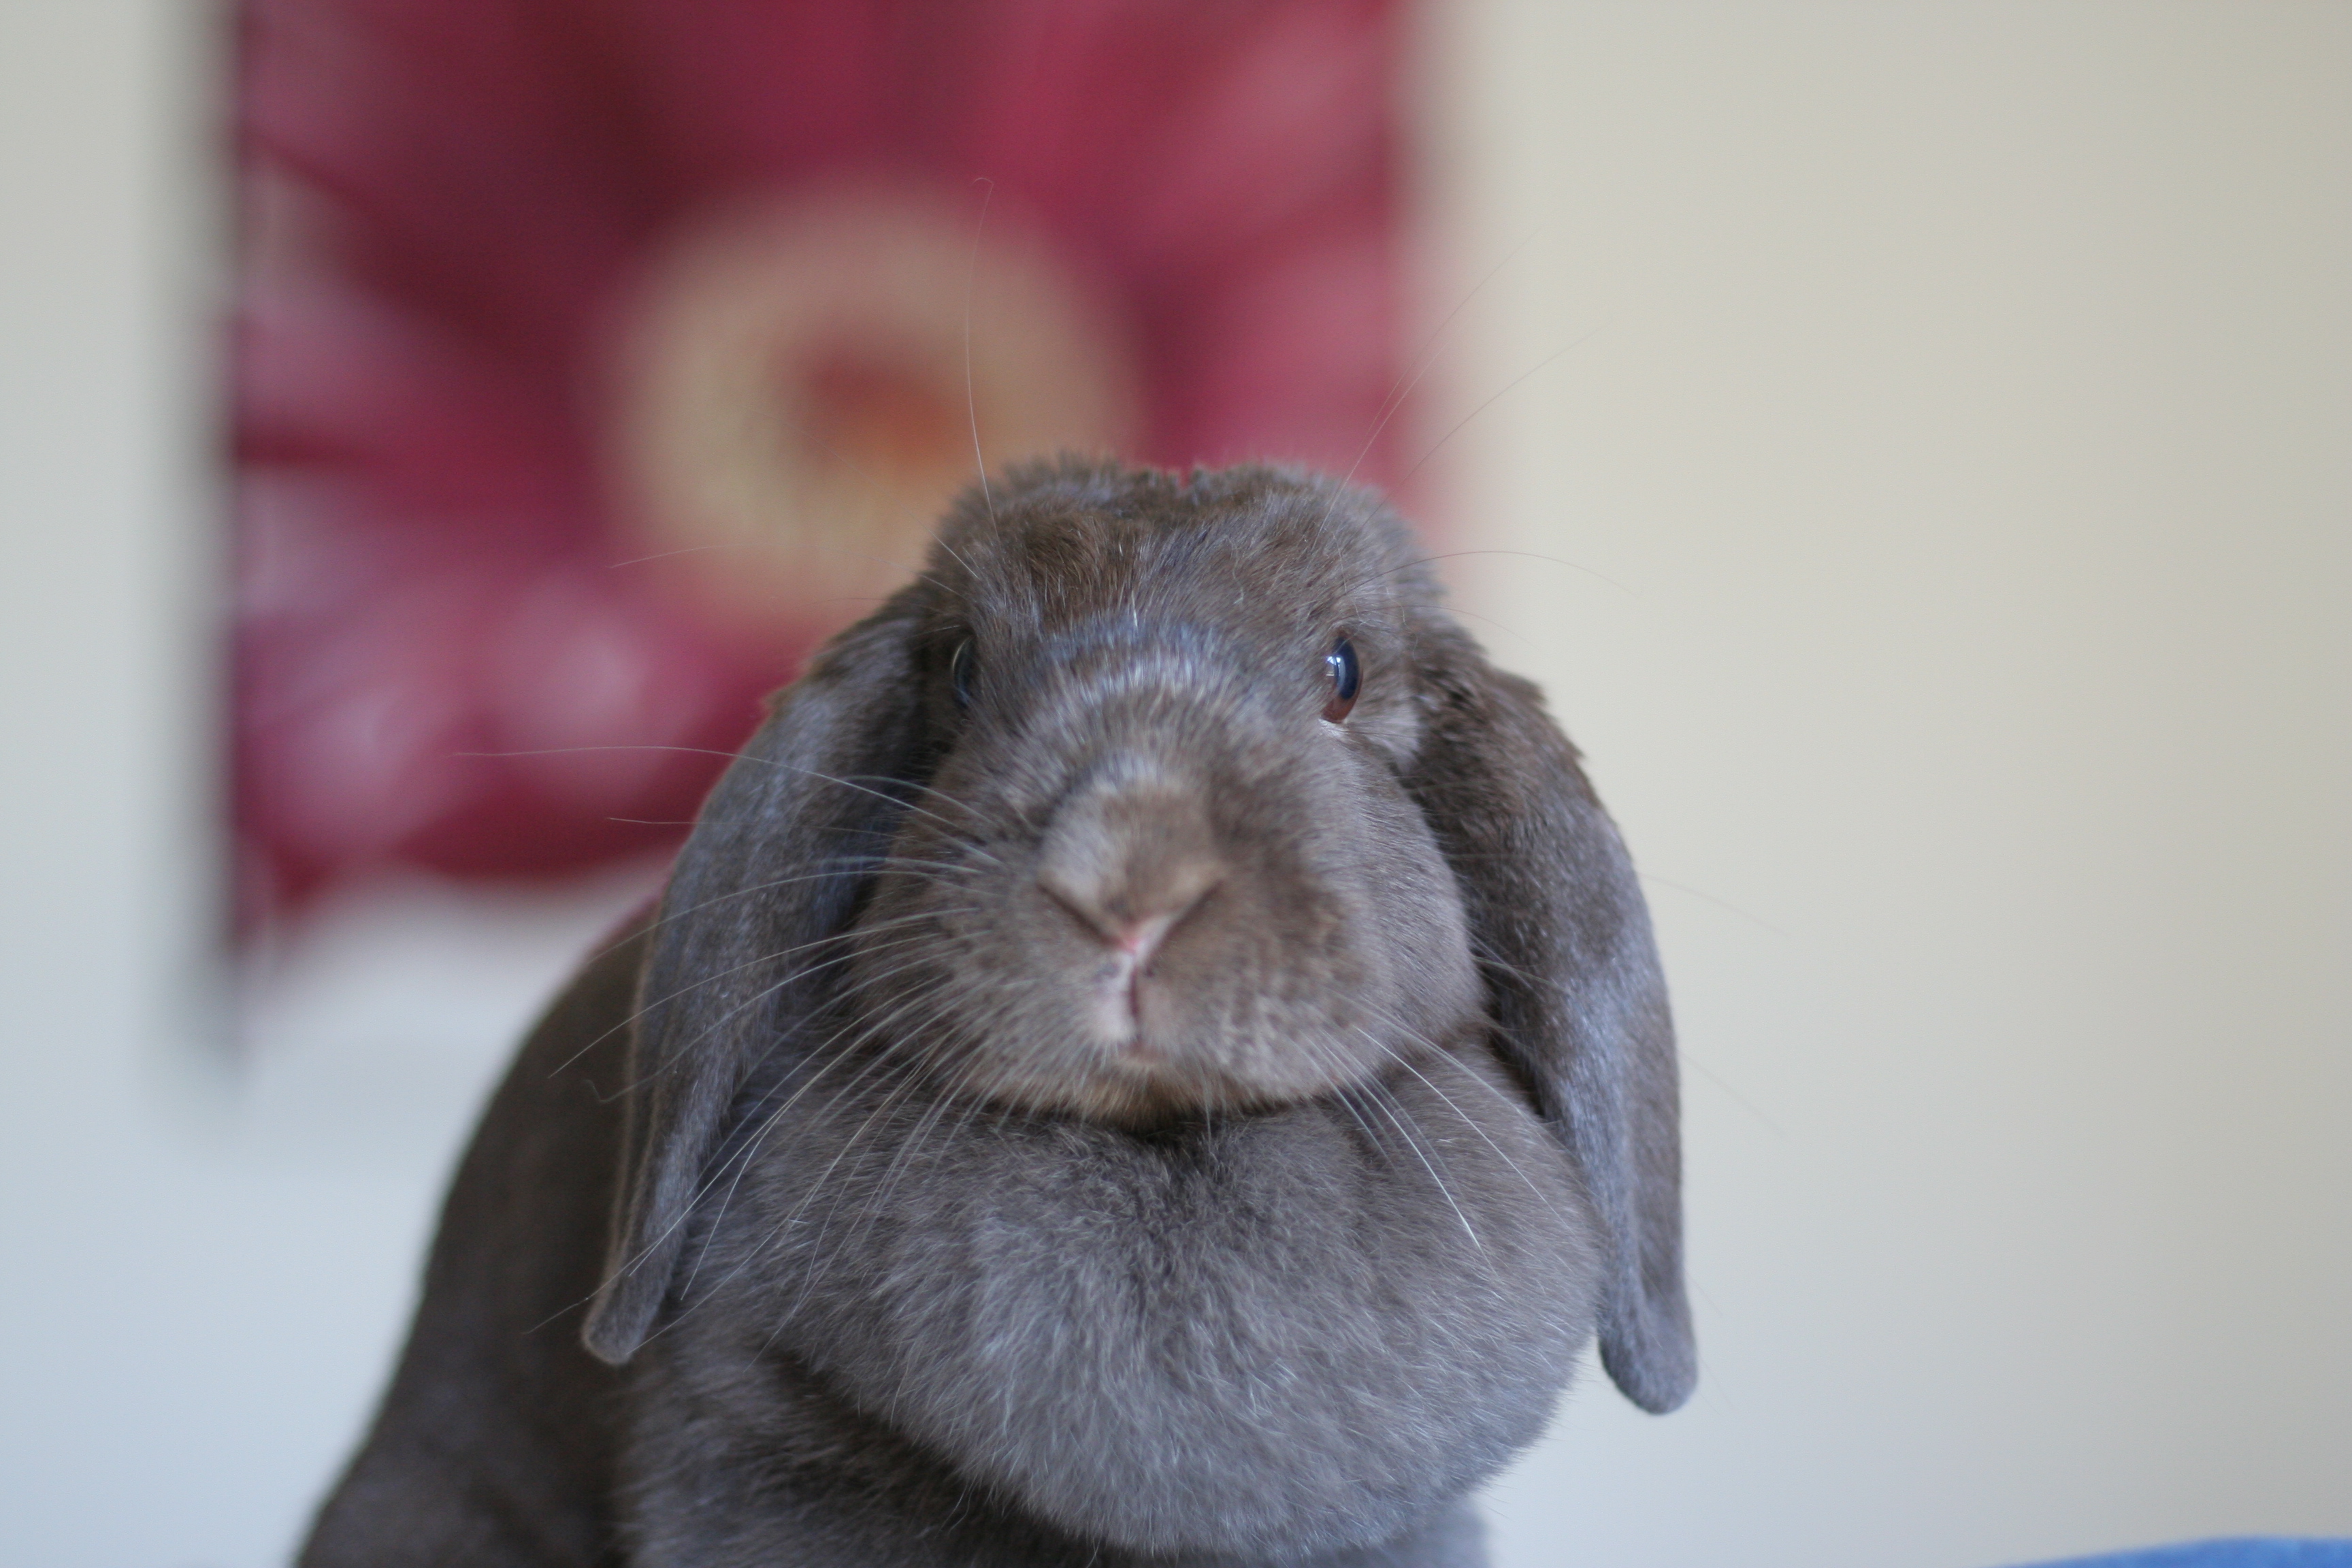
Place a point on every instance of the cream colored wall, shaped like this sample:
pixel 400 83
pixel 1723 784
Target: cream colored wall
pixel 1953 468
pixel 190 1316
pixel 1948 505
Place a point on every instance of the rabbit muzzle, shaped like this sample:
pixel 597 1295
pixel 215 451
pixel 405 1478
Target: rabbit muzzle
pixel 1205 902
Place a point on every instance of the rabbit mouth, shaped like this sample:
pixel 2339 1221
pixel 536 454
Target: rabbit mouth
pixel 1127 1006
pixel 1117 1009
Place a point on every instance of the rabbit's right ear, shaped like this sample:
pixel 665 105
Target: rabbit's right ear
pixel 773 867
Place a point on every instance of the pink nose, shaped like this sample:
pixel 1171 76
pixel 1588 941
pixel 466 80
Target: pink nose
pixel 1130 861
pixel 1111 922
pixel 1140 938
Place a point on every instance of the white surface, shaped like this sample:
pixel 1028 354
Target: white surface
pixel 383 1023
pixel 1963 421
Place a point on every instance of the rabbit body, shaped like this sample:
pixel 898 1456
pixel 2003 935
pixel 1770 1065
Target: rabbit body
pixel 1153 1056
pixel 1305 1327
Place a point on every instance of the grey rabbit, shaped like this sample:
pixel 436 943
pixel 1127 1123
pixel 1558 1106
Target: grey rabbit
pixel 1152 1055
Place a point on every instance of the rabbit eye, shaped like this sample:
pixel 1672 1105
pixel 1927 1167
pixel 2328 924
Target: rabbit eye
pixel 1346 676
pixel 959 673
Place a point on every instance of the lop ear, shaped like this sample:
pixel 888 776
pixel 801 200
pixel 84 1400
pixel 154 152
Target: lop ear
pixel 773 867
pixel 1571 972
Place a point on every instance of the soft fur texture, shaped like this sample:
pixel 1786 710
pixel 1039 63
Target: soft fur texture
pixel 1088 1097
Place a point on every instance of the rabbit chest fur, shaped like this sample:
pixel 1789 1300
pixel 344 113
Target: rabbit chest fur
pixel 1294 1329
pixel 1152 1056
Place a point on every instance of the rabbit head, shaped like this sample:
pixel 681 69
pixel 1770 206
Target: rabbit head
pixel 1155 797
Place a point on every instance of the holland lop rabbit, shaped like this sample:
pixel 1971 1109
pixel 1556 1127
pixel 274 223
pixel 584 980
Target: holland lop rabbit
pixel 1152 1055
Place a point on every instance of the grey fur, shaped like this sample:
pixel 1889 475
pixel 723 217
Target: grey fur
pixel 1081 1106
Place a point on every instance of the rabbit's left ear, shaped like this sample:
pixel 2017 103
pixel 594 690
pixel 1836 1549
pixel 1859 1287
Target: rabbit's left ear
pixel 739 956
pixel 1562 937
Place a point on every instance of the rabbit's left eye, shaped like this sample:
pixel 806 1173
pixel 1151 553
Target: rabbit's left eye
pixel 959 673
pixel 1346 676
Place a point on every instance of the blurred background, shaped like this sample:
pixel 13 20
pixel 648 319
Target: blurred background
pixel 1912 446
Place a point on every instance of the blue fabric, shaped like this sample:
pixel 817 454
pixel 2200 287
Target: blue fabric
pixel 2258 1552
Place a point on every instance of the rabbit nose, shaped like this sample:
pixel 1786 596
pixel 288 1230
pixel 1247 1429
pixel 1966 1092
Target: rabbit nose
pixel 1113 916
pixel 1130 865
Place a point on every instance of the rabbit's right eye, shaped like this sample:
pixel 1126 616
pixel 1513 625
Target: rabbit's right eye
pixel 959 673
pixel 1346 676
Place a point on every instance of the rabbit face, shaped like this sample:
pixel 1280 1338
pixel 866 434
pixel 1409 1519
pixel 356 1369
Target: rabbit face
pixel 1152 872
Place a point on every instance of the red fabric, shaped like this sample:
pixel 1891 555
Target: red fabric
pixel 461 189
